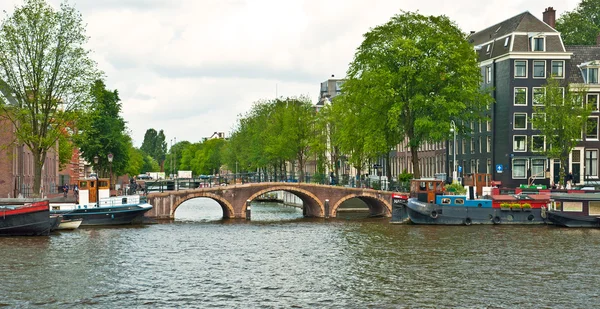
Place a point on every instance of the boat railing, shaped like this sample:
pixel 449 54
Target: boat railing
pixel 120 200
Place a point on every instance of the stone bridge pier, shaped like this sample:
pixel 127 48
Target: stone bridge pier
pixel 318 200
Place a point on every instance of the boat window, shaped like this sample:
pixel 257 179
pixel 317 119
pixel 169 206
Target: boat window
pixel 459 201
pixel 82 185
pixel 124 201
pixel 572 206
pixel 103 183
pixel 431 186
pixel 92 184
pixel 422 186
pixel 594 208
pixel 446 200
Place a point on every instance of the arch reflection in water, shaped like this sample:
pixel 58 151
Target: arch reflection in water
pixel 208 210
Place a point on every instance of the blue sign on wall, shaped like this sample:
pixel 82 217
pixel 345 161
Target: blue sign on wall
pixel 460 169
pixel 499 168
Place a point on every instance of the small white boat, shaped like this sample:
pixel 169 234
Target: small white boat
pixel 69 224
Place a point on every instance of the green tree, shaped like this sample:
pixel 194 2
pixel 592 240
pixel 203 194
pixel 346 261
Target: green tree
pixel 150 165
pixel 409 77
pixel 582 25
pixel 136 161
pixel 560 120
pixel 173 157
pixel 45 74
pixel 102 131
pixel 155 145
pixel 65 150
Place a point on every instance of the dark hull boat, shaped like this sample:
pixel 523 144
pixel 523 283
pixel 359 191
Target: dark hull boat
pixel 97 207
pixel 25 218
pixel 429 204
pixel 115 215
pixel 575 210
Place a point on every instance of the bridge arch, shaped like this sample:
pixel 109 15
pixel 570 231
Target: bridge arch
pixel 225 205
pixel 378 205
pixel 313 207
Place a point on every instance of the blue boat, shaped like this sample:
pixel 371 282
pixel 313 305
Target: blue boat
pixel 95 206
pixel 430 204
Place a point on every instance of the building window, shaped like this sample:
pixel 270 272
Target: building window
pixel 488 74
pixel 592 76
pixel 464 146
pixel 520 143
pixel 591 128
pixel 592 99
pixel 520 121
pixel 591 162
pixel 489 126
pixel 536 116
pixel 538 95
pixel 538 143
pixel 520 96
pixel 558 68
pixel 521 68
pixel 537 44
pixel 480 146
pixel 538 168
pixel 489 144
pixel 489 166
pixel 473 166
pixel 472 145
pixel 518 168
pixel 539 69
pixel 506 41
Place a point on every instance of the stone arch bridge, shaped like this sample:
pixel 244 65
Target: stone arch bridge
pixel 318 200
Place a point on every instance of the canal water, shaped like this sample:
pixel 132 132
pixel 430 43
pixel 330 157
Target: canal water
pixel 280 260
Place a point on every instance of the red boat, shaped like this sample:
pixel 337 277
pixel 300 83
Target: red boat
pixel 20 217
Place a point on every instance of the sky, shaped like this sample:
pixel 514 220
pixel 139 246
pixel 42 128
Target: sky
pixel 193 67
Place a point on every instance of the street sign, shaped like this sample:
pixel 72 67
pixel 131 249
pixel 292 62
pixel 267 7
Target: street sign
pixel 499 168
pixel 460 169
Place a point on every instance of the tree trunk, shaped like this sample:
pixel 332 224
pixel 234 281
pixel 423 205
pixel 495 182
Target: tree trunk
pixel 301 167
pixel 415 161
pixel 388 170
pixel 38 191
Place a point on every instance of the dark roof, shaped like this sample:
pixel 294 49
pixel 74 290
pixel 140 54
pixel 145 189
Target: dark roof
pixel 581 54
pixel 524 22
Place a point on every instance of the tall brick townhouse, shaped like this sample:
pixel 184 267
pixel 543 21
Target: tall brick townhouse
pixel 516 57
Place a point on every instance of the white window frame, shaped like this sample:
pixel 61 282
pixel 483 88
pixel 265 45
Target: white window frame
pixel 587 80
pixel 513 168
pixel 489 144
pixel 488 74
pixel 534 115
pixel 489 126
pixel 543 43
pixel 515 149
pixel 526 68
pixel 515 96
pixel 506 41
pixel 552 67
pixel 533 71
pixel 472 145
pixel 515 121
pixel 589 172
pixel 543 144
pixel 533 102
pixel 541 173
pixel 587 100
pixel 597 129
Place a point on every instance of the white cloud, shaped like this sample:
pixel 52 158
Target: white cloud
pixel 190 67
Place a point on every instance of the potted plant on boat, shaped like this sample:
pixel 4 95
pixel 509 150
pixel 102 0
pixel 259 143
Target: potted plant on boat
pixel 456 189
pixel 515 207
pixel 505 206
pixel 526 207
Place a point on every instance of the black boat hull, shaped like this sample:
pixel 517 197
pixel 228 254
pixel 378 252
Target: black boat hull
pixel 428 213
pixel 27 224
pixel 562 219
pixel 120 215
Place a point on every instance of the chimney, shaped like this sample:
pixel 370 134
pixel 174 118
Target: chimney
pixel 549 17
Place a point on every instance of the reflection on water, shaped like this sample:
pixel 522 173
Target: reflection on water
pixel 202 261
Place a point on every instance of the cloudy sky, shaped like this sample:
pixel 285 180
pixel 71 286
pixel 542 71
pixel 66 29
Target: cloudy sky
pixel 191 67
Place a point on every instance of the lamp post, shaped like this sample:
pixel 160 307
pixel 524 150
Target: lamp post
pixel 97 190
pixel 453 130
pixel 110 159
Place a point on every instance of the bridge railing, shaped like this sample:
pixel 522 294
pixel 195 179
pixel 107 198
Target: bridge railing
pixel 162 185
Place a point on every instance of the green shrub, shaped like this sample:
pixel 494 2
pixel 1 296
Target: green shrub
pixel 515 205
pixel 504 205
pixel 526 205
pixel 457 188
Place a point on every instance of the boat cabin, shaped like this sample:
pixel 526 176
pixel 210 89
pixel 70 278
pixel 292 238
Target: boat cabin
pixel 425 190
pixel 91 190
pixel 462 201
pixel 576 204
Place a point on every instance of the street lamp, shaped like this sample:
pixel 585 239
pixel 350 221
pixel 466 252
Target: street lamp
pixel 110 159
pixel 453 130
pixel 97 182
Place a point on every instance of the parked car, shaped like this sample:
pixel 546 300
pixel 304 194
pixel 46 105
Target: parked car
pixel 144 177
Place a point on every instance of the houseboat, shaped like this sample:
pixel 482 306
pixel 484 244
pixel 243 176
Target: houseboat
pixel 430 204
pixel 95 206
pixel 574 209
